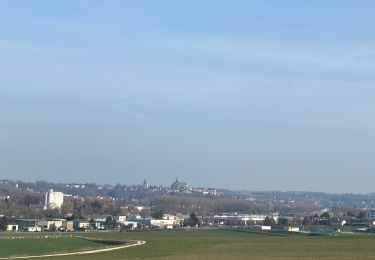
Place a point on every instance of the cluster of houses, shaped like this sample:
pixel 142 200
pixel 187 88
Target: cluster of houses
pixel 35 225
pixel 55 200
pixel 168 221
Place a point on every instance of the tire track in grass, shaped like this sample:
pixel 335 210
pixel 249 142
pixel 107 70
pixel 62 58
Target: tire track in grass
pixel 139 242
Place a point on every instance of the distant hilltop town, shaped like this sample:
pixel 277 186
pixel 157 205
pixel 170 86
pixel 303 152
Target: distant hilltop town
pixel 55 199
pixel 52 193
pixel 176 187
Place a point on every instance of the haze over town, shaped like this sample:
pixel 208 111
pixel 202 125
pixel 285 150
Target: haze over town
pixel 245 95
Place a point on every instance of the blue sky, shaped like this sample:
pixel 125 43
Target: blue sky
pixel 257 95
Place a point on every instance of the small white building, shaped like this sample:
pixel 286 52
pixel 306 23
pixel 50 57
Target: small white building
pixel 120 218
pixel 292 229
pixel 133 223
pixel 12 227
pixel 266 227
pixel 33 229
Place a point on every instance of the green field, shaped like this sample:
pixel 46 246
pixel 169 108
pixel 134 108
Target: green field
pixel 37 246
pixel 215 244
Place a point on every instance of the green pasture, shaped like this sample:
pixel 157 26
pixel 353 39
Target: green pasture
pixel 29 245
pixel 225 244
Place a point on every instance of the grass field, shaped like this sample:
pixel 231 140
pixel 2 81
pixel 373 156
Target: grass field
pixel 37 246
pixel 222 244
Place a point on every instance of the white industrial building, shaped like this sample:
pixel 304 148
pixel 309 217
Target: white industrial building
pixel 243 219
pixel 53 200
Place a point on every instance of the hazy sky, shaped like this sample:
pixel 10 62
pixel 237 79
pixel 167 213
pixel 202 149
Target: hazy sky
pixel 257 95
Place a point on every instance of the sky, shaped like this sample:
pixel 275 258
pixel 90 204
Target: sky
pixel 255 95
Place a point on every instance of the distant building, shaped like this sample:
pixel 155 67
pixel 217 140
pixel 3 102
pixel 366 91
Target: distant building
pixel 370 214
pixel 211 191
pixel 243 219
pixel 11 227
pixel 53 200
pixel 338 222
pixel 51 224
pixel 23 224
pixel 69 225
pixel 292 229
pixel 120 218
pixel 81 224
pixel 33 229
pixel 145 184
pixel 134 224
pixel 179 185
pixel 266 228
